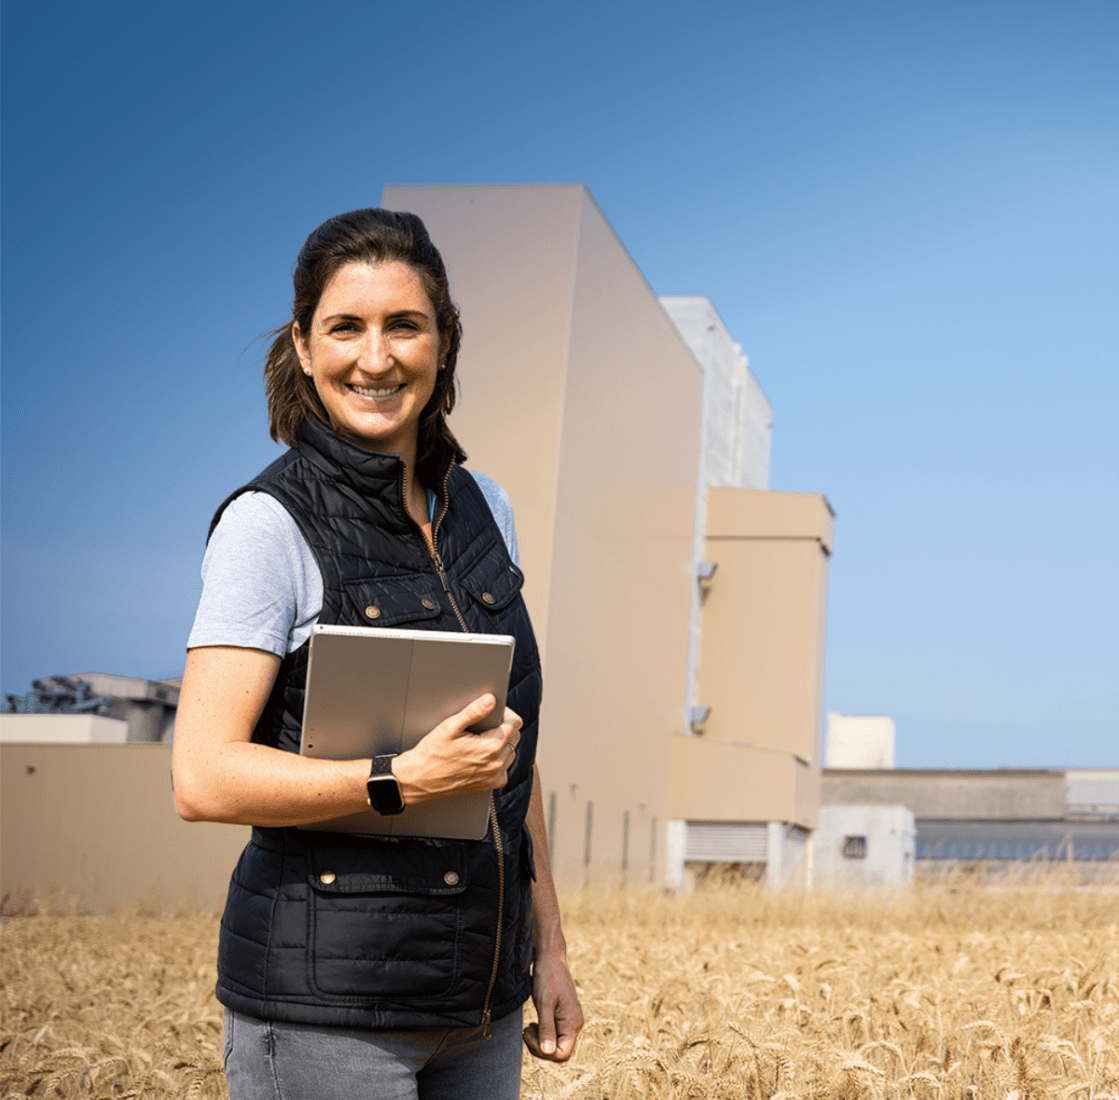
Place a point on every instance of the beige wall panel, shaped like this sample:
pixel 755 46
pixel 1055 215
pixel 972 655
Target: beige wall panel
pixel 759 513
pixel 806 792
pixel 759 666
pixel 716 781
pixel 98 822
pixel 62 729
pixel 510 254
pixel 620 584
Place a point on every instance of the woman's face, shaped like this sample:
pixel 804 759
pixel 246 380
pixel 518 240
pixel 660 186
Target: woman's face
pixel 373 352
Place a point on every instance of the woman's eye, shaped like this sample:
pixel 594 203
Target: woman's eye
pixel 344 326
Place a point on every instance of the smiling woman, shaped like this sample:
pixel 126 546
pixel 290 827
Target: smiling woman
pixel 399 962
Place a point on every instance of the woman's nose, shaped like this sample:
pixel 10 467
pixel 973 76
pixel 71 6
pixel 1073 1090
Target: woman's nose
pixel 376 354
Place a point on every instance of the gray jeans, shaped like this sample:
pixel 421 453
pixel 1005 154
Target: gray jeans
pixel 272 1060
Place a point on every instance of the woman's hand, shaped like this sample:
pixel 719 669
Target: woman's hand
pixel 450 760
pixel 558 1010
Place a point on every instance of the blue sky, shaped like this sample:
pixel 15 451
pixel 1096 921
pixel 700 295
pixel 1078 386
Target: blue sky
pixel 908 214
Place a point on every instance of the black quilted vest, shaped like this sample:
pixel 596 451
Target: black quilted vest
pixel 327 928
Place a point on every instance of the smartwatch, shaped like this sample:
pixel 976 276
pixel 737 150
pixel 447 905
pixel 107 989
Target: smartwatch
pixel 382 788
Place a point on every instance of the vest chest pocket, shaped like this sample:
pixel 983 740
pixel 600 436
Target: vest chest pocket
pixel 392 603
pixel 493 587
pixel 387 921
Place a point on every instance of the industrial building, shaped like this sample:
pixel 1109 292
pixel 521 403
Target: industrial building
pixel 973 815
pixel 92 707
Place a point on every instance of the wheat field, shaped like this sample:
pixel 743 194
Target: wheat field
pixel 731 992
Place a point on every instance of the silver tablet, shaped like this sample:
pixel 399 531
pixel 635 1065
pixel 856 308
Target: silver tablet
pixel 372 691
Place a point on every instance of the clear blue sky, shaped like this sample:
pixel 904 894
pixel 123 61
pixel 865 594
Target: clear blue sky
pixel 908 214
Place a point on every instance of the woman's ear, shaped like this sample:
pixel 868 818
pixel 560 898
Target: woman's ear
pixel 301 349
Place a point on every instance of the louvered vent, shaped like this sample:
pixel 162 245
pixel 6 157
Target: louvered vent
pixel 726 842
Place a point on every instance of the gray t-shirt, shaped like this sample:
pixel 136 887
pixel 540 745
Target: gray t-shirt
pixel 261 584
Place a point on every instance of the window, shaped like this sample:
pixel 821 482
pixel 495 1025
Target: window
pixel 854 847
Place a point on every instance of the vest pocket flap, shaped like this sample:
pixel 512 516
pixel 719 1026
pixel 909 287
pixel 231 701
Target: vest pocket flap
pixel 493 589
pixel 381 603
pixel 404 869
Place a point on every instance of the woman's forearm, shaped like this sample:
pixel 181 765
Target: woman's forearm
pixel 547 931
pixel 220 774
pixel 559 1016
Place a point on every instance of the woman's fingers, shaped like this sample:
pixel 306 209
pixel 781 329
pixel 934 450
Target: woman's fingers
pixel 473 712
pixel 450 760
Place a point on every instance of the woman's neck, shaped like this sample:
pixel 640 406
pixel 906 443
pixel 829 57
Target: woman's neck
pixel 415 499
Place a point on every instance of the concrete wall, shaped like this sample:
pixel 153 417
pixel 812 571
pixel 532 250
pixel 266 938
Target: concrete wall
pixel 952 795
pixel 716 780
pixel 1093 791
pixel 73 729
pixel 579 396
pixel 884 858
pixel 98 822
pixel 860 740
pixel 738 418
pixel 761 662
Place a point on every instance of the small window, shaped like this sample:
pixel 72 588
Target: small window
pixel 854 847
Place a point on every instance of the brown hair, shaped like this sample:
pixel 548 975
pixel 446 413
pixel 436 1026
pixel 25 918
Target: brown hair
pixel 365 236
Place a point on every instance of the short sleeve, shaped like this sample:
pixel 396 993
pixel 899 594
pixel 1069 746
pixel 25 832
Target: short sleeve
pixel 261 584
pixel 502 508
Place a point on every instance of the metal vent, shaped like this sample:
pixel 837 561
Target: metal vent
pixel 726 842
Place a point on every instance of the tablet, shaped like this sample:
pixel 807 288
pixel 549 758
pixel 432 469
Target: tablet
pixel 372 691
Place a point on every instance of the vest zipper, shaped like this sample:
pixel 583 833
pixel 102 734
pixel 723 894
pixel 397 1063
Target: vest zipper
pixel 487 1031
pixel 499 844
pixel 436 559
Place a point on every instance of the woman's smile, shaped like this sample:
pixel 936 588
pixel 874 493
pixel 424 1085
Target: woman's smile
pixel 382 394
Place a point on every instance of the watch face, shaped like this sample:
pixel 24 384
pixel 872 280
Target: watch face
pixel 384 794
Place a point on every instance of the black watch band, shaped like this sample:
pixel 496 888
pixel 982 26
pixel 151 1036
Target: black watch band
pixel 382 788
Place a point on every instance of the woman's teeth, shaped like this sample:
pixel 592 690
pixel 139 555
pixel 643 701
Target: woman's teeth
pixel 368 391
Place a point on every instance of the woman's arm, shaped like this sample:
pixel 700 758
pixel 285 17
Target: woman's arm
pixel 221 775
pixel 553 990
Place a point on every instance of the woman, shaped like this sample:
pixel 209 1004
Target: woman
pixel 360 965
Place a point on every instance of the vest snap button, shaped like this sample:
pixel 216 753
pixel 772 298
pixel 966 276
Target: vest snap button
pixel 451 878
pixel 373 612
pixel 326 878
pixel 487 597
pixel 428 604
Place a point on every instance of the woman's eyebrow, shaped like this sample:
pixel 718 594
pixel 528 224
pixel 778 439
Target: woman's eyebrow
pixel 410 313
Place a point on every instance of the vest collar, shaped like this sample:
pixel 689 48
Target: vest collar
pixel 373 475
